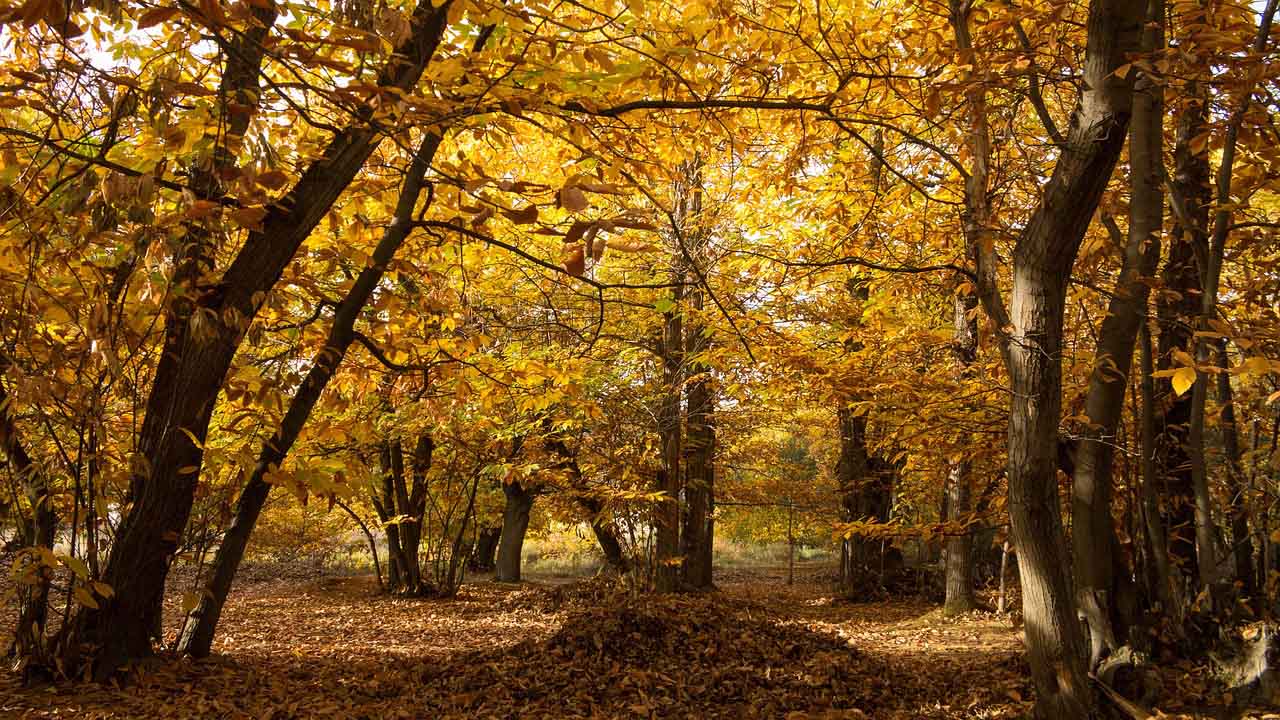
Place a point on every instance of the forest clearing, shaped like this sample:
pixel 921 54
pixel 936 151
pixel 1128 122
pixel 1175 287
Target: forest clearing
pixel 476 358
pixel 334 648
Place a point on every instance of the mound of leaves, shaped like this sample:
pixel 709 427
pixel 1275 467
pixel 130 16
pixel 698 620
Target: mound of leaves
pixel 597 590
pixel 664 657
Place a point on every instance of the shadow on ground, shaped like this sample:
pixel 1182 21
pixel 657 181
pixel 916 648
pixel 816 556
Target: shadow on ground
pixel 333 648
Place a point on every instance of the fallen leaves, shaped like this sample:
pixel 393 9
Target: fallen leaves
pixel 299 646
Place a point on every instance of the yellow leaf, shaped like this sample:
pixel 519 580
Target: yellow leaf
pixel 1183 379
pixel 190 600
pixel 192 437
pixel 85 598
pixel 77 565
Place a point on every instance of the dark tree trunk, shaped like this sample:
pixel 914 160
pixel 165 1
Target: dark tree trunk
pixel 408 531
pixel 196 356
pixel 1093 535
pixel 1165 585
pixel 700 435
pixel 1176 307
pixel 591 506
pixel 482 556
pixel 413 504
pixel 852 469
pixel 606 536
pixel 958 574
pixel 866 486
pixel 666 515
pixel 201 623
pixel 1237 507
pixel 397 572
pixel 1211 257
pixel 369 538
pixel 1043 260
pixel 515 522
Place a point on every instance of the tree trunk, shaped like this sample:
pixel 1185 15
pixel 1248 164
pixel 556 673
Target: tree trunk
pixel 397 572
pixel 852 469
pixel 196 356
pixel 1237 503
pixel 1092 532
pixel 408 531
pixel 958 573
pixel 369 538
pixel 198 630
pixel 959 549
pixel 1166 587
pixel 482 556
pixel 515 522
pixel 700 434
pixel 1212 252
pixel 1043 260
pixel 667 511
pixel 605 534
pixel 415 507
pixel 594 509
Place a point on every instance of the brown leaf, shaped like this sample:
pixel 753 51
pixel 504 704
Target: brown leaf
pixel 249 218
pixel 524 216
pixel 273 179
pixel 572 199
pixel 155 16
pixel 575 261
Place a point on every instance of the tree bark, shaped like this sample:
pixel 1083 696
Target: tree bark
pixel 667 511
pixel 486 549
pixel 1176 307
pixel 397 572
pixel 1093 536
pixel 1211 253
pixel 700 435
pixel 1166 586
pixel 196 356
pixel 413 503
pixel 515 522
pixel 198 630
pixel 958 573
pixel 1043 258
pixel 591 506
pixel 408 530
pixel 1237 502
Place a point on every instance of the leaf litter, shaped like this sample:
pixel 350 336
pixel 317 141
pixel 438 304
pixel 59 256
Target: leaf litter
pixel 301 647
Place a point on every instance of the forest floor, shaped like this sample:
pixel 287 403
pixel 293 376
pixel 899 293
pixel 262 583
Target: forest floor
pixel 758 648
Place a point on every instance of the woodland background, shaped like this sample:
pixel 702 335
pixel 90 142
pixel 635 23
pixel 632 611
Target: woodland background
pixel 958 295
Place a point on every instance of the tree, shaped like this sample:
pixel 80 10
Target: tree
pixel 1042 261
